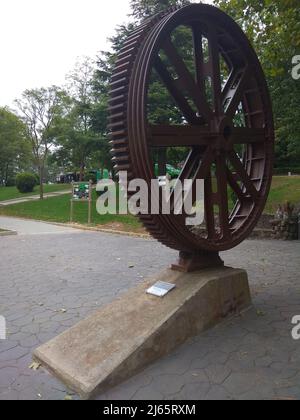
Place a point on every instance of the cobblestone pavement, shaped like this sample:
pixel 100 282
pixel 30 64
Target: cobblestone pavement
pixel 50 282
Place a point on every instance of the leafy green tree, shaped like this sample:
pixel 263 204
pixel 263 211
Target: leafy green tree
pixel 161 107
pixel 14 146
pixel 142 9
pixel 40 110
pixel 274 30
pixel 78 141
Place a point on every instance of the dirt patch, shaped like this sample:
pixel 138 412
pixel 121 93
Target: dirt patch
pixel 121 227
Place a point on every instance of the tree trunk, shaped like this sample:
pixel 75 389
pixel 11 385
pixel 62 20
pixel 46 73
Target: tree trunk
pixel 41 175
pixel 81 174
pixel 6 175
pixel 162 162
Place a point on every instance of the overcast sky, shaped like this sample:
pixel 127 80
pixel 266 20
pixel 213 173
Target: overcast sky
pixel 41 39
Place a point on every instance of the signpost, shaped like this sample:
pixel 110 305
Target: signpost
pixel 81 192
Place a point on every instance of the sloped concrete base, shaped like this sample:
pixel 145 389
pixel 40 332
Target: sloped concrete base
pixel 124 337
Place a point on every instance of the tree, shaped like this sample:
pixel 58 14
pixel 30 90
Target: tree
pixel 274 30
pixel 161 106
pixel 78 141
pixel 142 9
pixel 40 109
pixel 14 146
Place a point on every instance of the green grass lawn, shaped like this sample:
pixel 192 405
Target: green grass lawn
pixel 283 189
pixel 57 209
pixel 10 193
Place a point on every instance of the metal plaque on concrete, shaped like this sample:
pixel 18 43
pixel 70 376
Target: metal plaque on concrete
pixel 161 289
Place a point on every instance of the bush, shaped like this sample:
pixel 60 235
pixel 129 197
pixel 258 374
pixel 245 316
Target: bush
pixel 37 179
pixel 25 182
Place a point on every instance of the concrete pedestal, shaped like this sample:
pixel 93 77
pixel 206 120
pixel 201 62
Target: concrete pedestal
pixel 124 337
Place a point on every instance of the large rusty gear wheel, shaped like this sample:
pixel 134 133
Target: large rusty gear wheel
pixel 209 128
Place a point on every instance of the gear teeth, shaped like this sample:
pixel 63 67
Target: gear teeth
pixel 118 112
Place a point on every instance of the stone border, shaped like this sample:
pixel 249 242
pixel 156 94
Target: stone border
pixel 258 233
pixel 111 231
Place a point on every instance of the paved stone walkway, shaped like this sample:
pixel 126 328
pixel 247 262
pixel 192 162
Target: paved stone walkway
pixel 32 227
pixel 50 282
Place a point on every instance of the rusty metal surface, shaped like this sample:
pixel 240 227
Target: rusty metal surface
pixel 209 129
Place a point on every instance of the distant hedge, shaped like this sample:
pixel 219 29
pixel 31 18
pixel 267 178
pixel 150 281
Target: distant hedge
pixel 285 171
pixel 25 182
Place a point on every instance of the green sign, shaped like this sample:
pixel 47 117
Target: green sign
pixel 81 191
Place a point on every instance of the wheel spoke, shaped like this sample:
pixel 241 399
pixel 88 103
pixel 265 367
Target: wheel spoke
pixel 186 80
pixel 234 90
pixel 235 186
pixel 195 167
pixel 202 170
pixel 198 52
pixel 192 160
pixel 179 135
pixel 186 173
pixel 204 166
pixel 214 65
pixel 179 98
pixel 209 207
pixel 187 135
pixel 199 65
pixel 244 135
pixel 243 175
pixel 223 195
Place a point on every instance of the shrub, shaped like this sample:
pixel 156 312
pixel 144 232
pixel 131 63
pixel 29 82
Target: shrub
pixel 25 182
pixel 37 179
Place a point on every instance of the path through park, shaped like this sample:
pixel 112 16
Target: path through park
pixel 32 198
pixel 32 227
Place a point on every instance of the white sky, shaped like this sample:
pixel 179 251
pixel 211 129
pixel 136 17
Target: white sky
pixel 41 39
